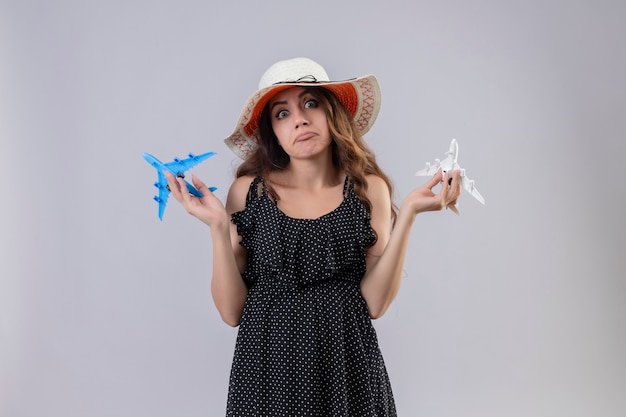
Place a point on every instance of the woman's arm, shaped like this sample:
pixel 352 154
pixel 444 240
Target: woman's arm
pixel 227 287
pixel 385 259
pixel 229 257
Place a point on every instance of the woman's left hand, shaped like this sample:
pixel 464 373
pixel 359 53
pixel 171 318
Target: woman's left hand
pixel 423 198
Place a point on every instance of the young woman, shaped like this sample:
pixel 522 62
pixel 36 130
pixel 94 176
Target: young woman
pixel 304 255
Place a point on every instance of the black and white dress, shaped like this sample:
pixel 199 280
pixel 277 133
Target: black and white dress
pixel 306 345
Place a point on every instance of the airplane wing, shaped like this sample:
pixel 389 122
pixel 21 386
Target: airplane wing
pixel 431 170
pixel 194 191
pixel 428 171
pixel 162 204
pixel 448 164
pixel 181 165
pixel 163 194
pixel 477 195
pixel 468 185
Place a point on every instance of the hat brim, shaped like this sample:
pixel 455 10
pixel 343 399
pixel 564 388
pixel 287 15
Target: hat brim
pixel 360 96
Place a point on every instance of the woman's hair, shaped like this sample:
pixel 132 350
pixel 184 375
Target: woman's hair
pixel 350 153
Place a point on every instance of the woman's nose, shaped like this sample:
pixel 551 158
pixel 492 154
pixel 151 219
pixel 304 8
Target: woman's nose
pixel 301 119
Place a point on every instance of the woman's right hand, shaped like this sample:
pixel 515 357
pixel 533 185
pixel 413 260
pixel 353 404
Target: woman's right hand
pixel 208 209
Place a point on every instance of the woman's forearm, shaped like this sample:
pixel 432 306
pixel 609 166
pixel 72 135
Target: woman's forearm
pixel 227 287
pixel 381 282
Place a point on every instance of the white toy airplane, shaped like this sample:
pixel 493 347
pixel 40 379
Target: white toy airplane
pixel 450 164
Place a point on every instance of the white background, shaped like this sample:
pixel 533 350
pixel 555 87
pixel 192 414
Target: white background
pixel 516 308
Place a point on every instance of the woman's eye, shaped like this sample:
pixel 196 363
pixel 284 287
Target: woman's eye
pixel 281 114
pixel 311 104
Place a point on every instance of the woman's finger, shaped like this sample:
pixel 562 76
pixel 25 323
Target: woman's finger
pixel 182 190
pixel 444 188
pixel 436 179
pixel 453 191
pixel 200 185
pixel 173 185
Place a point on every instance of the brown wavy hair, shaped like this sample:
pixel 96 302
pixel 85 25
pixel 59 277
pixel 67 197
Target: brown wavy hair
pixel 350 153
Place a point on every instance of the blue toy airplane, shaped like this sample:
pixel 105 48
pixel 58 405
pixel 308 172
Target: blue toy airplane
pixel 178 168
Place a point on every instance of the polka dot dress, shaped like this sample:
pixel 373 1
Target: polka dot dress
pixel 306 345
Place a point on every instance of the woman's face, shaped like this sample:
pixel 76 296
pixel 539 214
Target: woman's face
pixel 299 123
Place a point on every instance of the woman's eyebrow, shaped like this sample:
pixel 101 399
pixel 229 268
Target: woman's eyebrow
pixel 276 103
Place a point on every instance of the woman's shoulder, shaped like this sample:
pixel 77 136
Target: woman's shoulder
pixel 238 192
pixel 376 185
pixel 377 191
pixel 242 182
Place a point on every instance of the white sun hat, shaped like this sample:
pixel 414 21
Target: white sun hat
pixel 360 96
